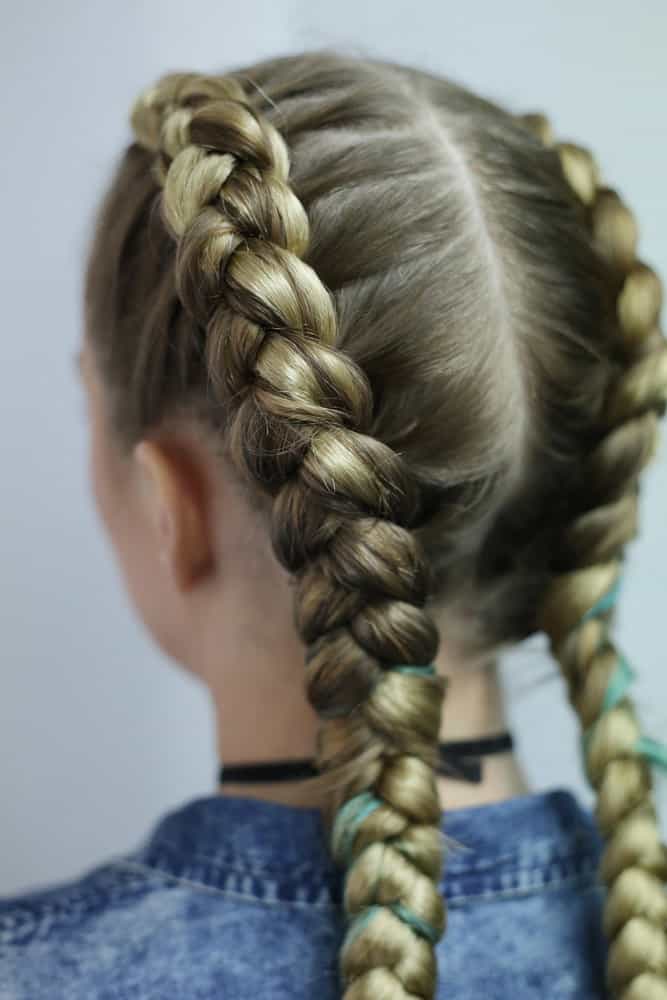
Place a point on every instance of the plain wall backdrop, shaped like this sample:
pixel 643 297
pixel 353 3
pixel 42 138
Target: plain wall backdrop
pixel 99 734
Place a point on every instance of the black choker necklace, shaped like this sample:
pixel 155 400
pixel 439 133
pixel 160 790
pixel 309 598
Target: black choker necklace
pixel 459 759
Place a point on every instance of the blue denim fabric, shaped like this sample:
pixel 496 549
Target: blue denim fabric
pixel 236 897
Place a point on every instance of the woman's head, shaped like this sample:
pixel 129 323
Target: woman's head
pixel 414 339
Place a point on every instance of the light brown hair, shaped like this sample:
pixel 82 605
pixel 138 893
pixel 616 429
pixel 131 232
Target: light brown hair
pixel 418 332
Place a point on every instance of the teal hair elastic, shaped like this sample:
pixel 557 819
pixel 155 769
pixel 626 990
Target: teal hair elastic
pixel 653 750
pixel 617 687
pixel 604 603
pixel 364 917
pixel 346 824
pixel 403 912
pixel 619 682
pixel 404 668
pixel 348 819
pixel 350 816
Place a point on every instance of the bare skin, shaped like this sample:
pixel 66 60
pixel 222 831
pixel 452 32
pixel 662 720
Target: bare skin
pixel 201 574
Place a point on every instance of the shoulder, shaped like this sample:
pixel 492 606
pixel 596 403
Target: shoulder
pixel 128 929
pixel 48 909
pixel 56 939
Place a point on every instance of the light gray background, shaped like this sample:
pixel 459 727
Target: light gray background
pixel 98 733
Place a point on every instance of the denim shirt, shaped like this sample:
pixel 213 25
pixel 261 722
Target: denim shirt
pixel 231 898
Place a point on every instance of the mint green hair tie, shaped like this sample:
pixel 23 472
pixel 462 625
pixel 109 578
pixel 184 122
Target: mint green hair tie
pixel 617 686
pixel 623 674
pixel 427 671
pixel 653 750
pixel 347 822
pixel 604 603
pixel 619 682
pixel 418 925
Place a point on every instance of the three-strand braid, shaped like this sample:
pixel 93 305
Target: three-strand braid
pixel 576 610
pixel 341 510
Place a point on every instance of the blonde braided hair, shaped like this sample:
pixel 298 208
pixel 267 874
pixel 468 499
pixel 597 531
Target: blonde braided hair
pixel 352 518
pixel 241 235
pixel 634 862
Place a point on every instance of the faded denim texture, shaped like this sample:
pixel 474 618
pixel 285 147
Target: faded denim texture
pixel 237 898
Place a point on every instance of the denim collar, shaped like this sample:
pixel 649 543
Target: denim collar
pixel 257 847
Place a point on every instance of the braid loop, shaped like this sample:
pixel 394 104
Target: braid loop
pixel 634 862
pixel 342 507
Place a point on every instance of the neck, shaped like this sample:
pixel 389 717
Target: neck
pixel 473 708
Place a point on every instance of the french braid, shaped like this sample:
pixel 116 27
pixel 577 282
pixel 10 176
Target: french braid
pixel 342 504
pixel 634 861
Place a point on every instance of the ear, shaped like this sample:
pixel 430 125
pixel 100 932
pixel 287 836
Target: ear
pixel 175 493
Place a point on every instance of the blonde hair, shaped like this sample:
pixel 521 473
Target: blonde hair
pixel 419 332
